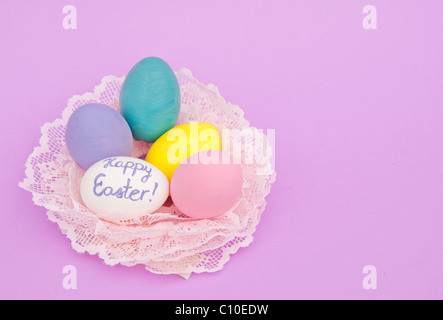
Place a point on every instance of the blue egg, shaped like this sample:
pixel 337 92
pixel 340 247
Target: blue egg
pixel 150 99
pixel 95 132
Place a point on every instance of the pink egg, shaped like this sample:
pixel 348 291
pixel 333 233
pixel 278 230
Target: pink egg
pixel 207 184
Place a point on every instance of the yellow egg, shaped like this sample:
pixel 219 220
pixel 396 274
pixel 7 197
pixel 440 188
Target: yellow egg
pixel 179 143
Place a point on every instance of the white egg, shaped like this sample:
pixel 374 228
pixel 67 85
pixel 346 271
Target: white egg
pixel 123 186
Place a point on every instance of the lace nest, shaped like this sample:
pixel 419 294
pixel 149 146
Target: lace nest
pixel 165 242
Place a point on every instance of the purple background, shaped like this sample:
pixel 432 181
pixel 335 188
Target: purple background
pixel 358 118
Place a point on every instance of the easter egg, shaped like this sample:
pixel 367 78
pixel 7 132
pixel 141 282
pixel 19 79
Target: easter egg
pixel 150 99
pixel 179 143
pixel 96 131
pixel 207 184
pixel 123 186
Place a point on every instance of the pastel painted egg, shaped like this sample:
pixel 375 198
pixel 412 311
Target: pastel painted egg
pixel 96 131
pixel 207 184
pixel 181 142
pixel 150 99
pixel 123 186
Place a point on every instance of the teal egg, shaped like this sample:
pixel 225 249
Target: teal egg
pixel 150 99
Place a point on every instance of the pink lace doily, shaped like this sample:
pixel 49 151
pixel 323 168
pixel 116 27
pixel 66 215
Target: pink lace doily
pixel 166 242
